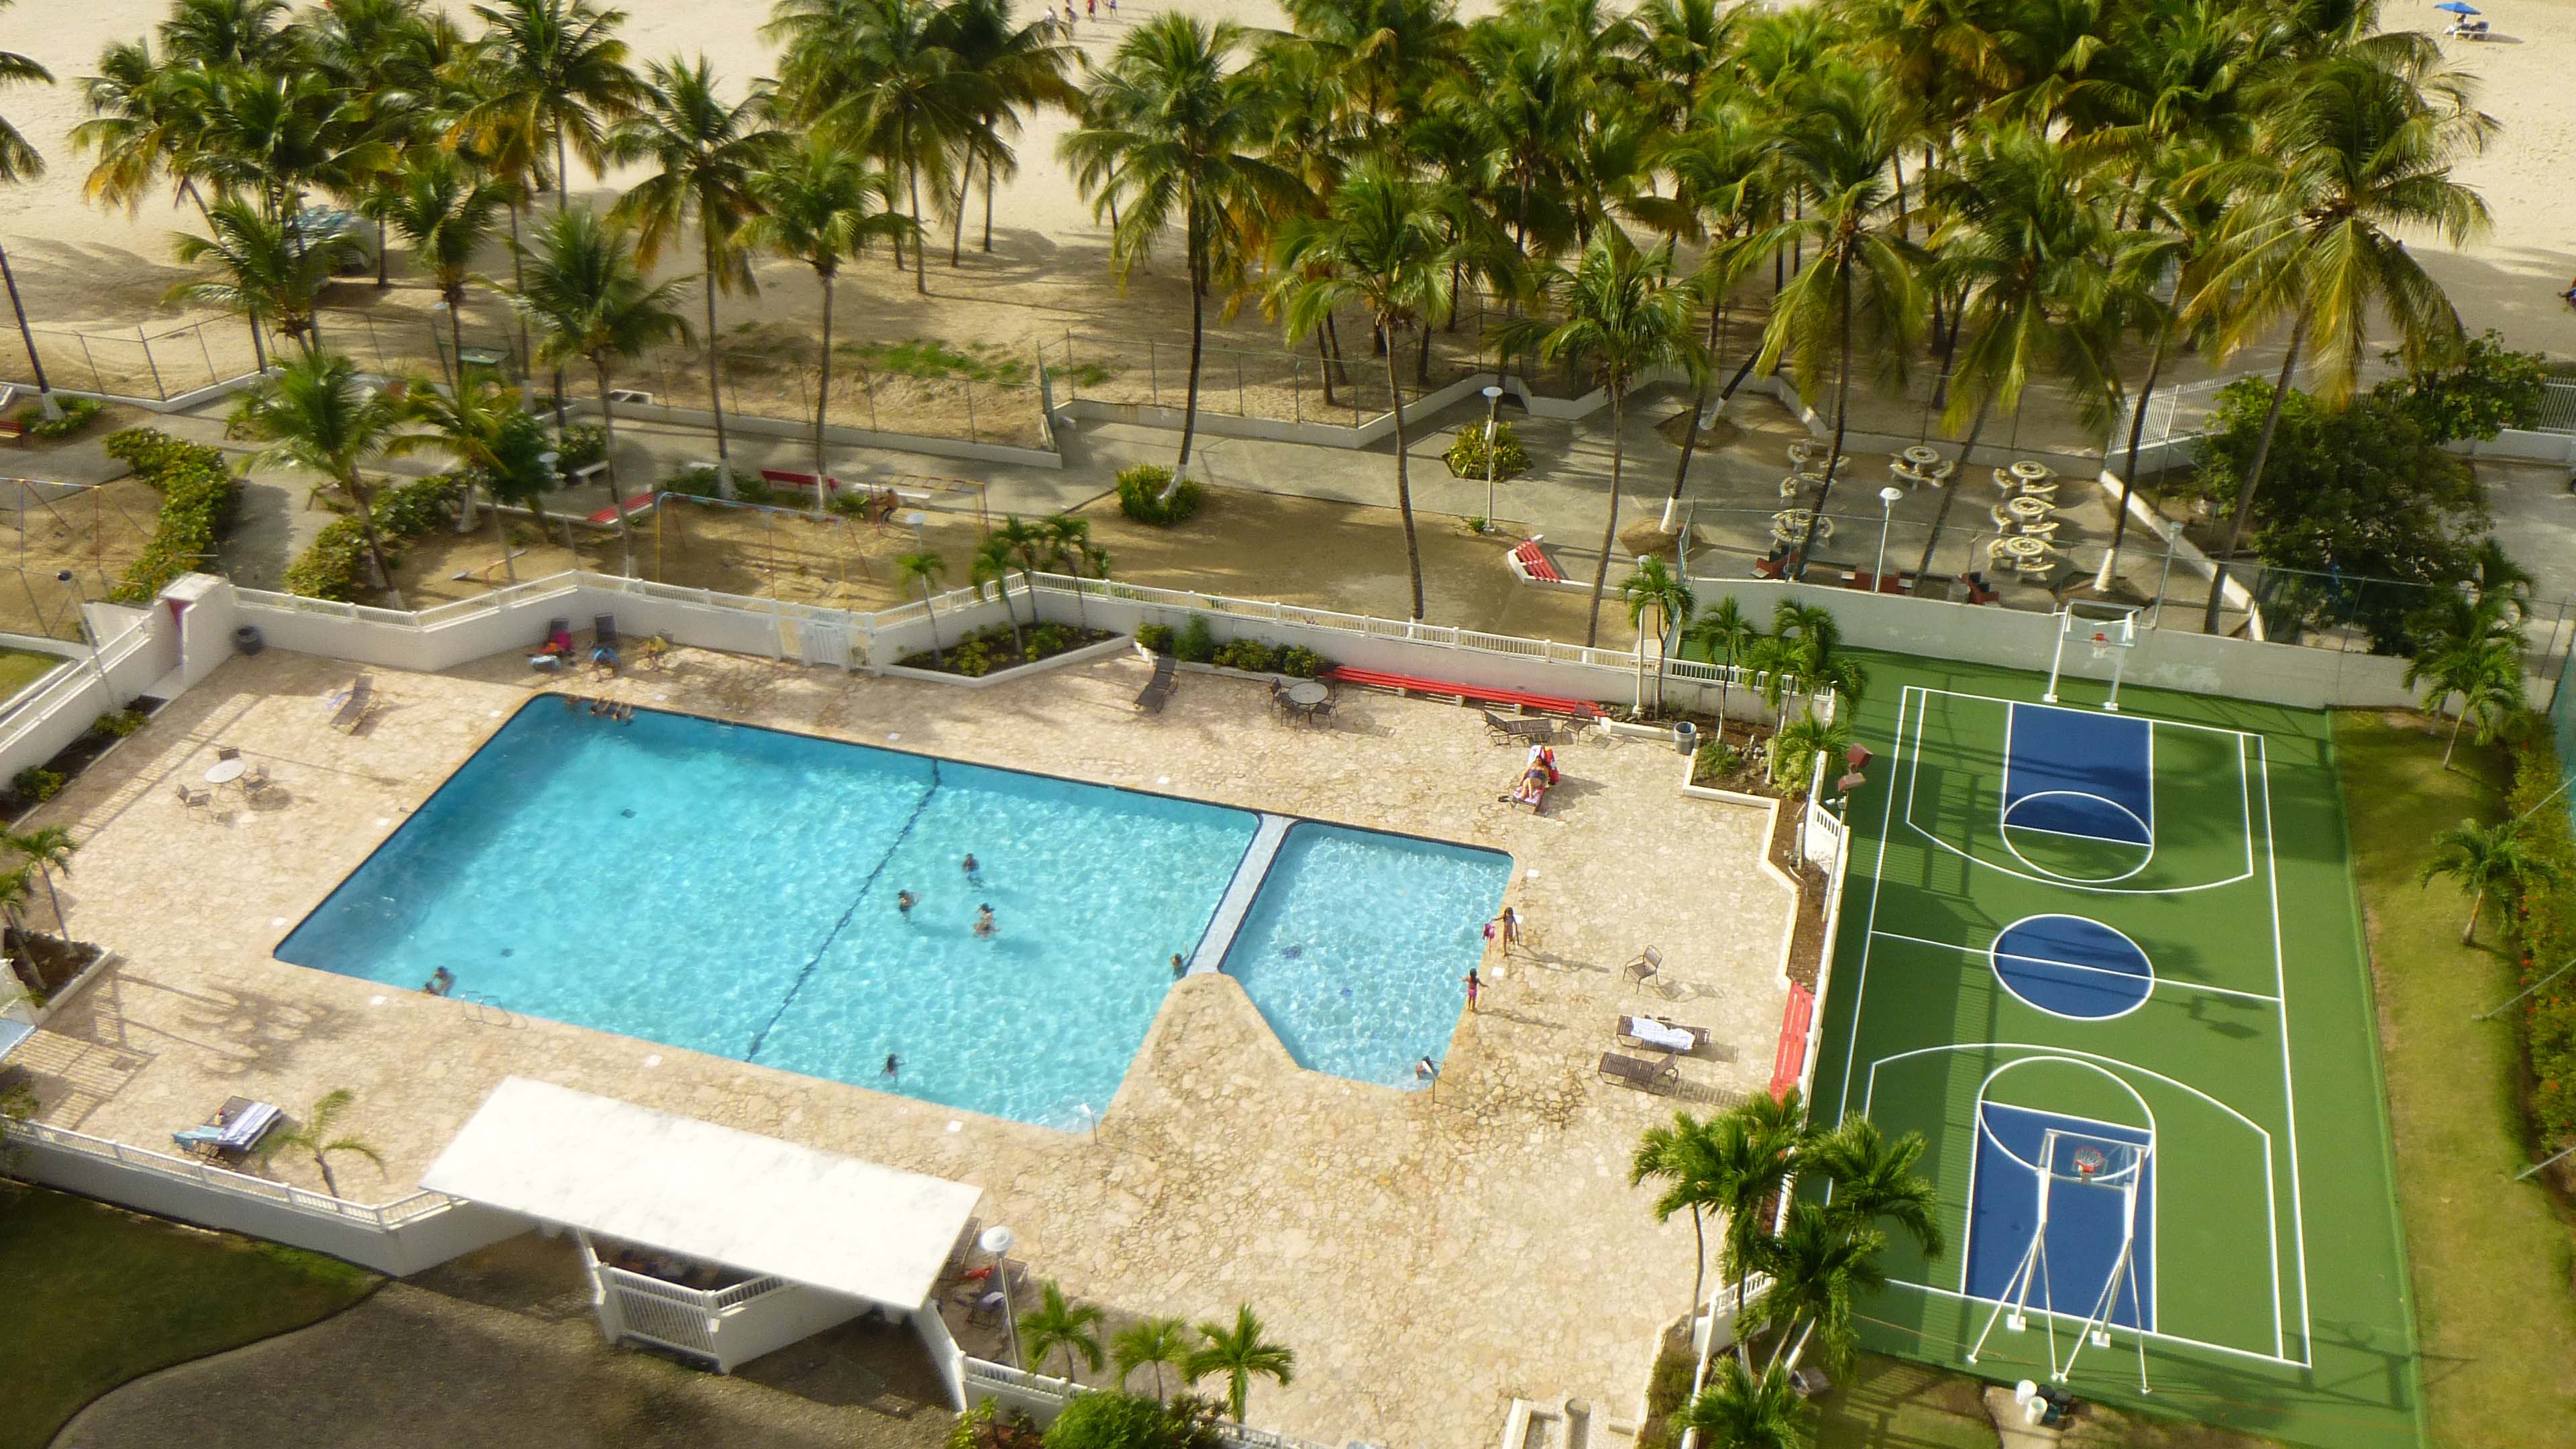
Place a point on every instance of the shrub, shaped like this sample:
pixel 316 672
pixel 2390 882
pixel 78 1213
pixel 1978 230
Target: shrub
pixel 1249 655
pixel 986 650
pixel 696 480
pixel 78 413
pixel 197 496
pixel 1714 762
pixel 2544 931
pixel 116 724
pixel 1114 1419
pixel 36 784
pixel 1466 455
pixel 982 1427
pixel 1668 1386
pixel 1156 637
pixel 1147 495
pixel 582 444
pixel 1197 644
pixel 1302 662
pixel 329 566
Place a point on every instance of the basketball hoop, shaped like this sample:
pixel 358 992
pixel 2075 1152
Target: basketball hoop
pixel 2105 631
pixel 2089 1161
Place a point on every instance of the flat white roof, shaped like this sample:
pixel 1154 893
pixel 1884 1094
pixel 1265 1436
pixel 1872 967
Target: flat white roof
pixel 709 1192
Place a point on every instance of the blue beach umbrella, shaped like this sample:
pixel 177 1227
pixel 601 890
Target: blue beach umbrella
pixel 2457 8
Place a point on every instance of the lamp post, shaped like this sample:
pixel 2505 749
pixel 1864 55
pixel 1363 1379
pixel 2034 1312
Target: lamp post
pixel 1887 497
pixel 1493 405
pixel 44 392
pixel 997 1240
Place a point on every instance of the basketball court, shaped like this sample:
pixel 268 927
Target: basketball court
pixel 2108 964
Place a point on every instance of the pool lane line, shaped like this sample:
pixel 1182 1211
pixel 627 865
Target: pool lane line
pixel 1236 904
pixel 843 924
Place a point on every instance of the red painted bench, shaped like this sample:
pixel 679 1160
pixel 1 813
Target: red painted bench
pixel 1791 1062
pixel 1534 563
pixel 1449 689
pixel 609 514
pixel 795 480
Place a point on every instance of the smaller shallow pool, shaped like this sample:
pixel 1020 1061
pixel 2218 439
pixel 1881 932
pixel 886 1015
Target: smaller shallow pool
pixel 1358 946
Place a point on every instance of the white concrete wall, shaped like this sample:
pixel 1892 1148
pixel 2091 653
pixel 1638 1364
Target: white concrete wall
pixel 778 1318
pixel 137 647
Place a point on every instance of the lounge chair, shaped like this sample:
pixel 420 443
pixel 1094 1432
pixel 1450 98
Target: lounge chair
pixel 349 707
pixel 604 627
pixel 1645 1076
pixel 1158 691
pixel 1510 731
pixel 1648 968
pixel 1667 1035
pixel 233 1131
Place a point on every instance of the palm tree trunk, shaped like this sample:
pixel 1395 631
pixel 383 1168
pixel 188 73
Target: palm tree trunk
pixel 1422 359
pixel 920 279
pixel 2129 474
pixel 2477 903
pixel 367 527
pixel 2253 478
pixel 957 231
pixel 382 281
pixel 330 1184
pixel 1610 522
pixel 608 457
pixel 501 533
pixel 988 205
pixel 1326 353
pixel 715 362
pixel 519 286
pixel 1404 490
pixel 1950 495
pixel 823 398
pixel 1198 324
pixel 1699 1258
pixel 1699 406
pixel 1842 414
pixel 456 389
pixel 2455 734
pixel 47 876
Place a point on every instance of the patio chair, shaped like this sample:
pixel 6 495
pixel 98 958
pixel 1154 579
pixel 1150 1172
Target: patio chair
pixel 226 752
pixel 1515 731
pixel 196 799
pixel 1661 1033
pixel 604 630
pixel 1158 691
pixel 1648 969
pixel 234 1131
pixel 1316 714
pixel 349 707
pixel 1645 1076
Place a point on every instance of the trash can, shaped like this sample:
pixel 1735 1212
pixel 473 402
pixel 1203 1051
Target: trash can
pixel 247 640
pixel 1686 737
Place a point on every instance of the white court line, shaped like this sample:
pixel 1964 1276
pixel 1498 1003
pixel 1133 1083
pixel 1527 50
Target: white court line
pixel 2289 1090
pixel 2153 1336
pixel 1877 883
pixel 2161 981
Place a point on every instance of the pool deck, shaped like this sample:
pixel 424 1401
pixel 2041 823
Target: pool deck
pixel 1429 1255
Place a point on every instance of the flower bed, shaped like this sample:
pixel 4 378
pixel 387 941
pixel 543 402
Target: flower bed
pixel 988 650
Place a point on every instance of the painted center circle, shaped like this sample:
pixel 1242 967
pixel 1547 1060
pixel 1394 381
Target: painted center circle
pixel 2071 966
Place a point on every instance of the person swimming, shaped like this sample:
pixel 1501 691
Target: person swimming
pixel 893 1064
pixel 904 901
pixel 983 921
pixel 441 982
pixel 974 869
pixel 1425 1069
pixel 1180 968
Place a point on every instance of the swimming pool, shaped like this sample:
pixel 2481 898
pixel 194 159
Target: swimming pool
pixel 734 890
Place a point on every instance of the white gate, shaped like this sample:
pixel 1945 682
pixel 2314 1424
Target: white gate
pixel 821 642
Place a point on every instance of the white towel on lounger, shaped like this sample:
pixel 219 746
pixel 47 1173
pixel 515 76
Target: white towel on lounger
pixel 1654 1033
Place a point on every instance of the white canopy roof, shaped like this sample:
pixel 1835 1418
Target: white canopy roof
pixel 705 1191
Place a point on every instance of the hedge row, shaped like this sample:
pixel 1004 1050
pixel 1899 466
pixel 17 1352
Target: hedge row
pixel 329 568
pixel 197 496
pixel 2545 939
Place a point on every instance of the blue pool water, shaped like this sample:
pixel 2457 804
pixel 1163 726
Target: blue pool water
pixel 732 890
pixel 1358 946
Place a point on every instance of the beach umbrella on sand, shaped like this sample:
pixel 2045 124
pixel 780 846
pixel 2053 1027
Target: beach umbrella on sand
pixel 2456 7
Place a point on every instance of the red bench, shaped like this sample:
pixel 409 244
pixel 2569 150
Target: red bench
pixel 779 479
pixel 1534 562
pixel 609 514
pixel 1791 1061
pixel 1462 693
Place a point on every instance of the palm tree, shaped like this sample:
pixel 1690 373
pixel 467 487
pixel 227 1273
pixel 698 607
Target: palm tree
pixel 1686 1157
pixel 1006 68
pixel 2487 860
pixel 1623 317
pixel 1799 745
pixel 1737 1409
pixel 588 299
pixel 1653 587
pixel 1757 1151
pixel 317 414
pixel 1874 1178
pixel 2352 149
pixel 1167 138
pixel 878 75
pixel 268 271
pixel 922 570
pixel 316 1137
pixel 2471 649
pixel 485 427
pixel 706 154
pixel 1239 1352
pixel 1161 1342
pixel 1723 635
pixel 48 848
pixel 15 888
pixel 1721 168
pixel 447 215
pixel 19 162
pixel 1860 284
pixel 1058 1325
pixel 1383 243
pixel 1817 1270
pixel 820 204
pixel 993 562
pixel 1805 650
pixel 551 75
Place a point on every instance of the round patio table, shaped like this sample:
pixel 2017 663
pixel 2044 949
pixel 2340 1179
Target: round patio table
pixel 1307 693
pixel 2022 546
pixel 2030 472
pixel 1806 451
pixel 1790 524
pixel 224 772
pixel 1921 456
pixel 2029 510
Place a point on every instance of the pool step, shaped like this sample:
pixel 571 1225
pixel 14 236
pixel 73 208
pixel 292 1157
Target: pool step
pixel 1239 893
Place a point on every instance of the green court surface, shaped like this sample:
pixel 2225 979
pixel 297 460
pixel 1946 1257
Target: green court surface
pixel 2110 966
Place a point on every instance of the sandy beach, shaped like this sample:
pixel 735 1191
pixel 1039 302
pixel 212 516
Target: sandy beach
pixel 86 268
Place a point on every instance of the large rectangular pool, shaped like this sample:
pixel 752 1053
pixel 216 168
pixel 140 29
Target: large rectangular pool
pixel 734 890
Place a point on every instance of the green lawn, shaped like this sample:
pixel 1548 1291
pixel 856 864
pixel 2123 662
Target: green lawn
pixel 95 1296
pixel 2492 1260
pixel 20 668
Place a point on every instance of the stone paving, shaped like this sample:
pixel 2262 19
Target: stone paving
pixel 1430 1255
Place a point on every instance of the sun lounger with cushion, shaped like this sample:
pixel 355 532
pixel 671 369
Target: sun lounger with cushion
pixel 1157 691
pixel 1645 1076
pixel 1661 1033
pixel 236 1128
pixel 605 627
